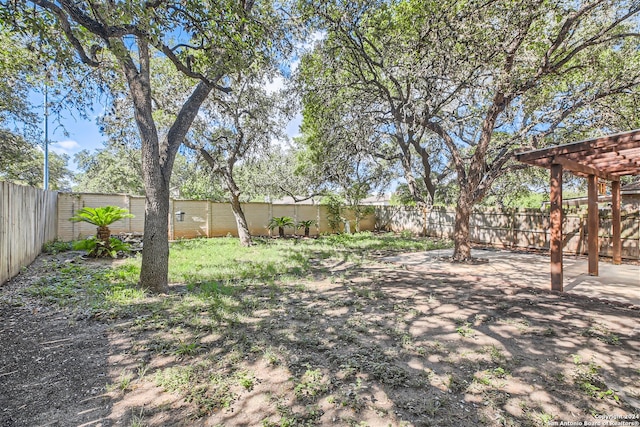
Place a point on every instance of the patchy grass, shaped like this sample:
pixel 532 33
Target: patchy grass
pixel 95 289
pixel 305 332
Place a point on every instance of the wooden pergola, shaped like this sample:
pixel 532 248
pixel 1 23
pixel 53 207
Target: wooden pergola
pixel 607 158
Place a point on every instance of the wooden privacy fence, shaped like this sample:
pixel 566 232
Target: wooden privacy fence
pixel 28 220
pixel 514 228
pixel 199 218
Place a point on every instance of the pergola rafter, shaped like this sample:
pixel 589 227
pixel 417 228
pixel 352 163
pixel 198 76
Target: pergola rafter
pixel 608 158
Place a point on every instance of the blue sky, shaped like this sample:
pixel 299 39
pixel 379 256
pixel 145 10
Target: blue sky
pixel 81 134
pixel 69 133
pixel 73 133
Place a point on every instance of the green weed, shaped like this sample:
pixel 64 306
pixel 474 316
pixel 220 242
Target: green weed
pixel 246 380
pixel 175 379
pixel 123 384
pixel 311 384
pixel 602 334
pixel 190 349
pixel 137 420
pixel 56 246
pixel 464 330
pixel 589 381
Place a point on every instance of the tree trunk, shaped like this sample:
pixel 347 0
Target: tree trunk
pixel 462 246
pixel 156 172
pixel 281 231
pixel 306 232
pixel 241 221
pixel 236 207
pixel 154 271
pixel 157 161
pixel 405 161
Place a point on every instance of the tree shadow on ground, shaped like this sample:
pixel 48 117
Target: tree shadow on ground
pixel 53 368
pixel 377 345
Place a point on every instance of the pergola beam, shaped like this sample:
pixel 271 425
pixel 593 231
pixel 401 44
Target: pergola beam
pixel 621 141
pixel 572 166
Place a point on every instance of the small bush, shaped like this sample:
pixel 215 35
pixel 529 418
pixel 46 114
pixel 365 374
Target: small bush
pixel 98 248
pixel 56 246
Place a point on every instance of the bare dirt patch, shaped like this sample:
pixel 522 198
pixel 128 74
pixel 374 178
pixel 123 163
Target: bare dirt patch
pixel 370 344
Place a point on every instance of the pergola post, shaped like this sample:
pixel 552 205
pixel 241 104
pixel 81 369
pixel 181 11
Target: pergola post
pixel 555 217
pixel 592 225
pixel 615 220
pixel 609 158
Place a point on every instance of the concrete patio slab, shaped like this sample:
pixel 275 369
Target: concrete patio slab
pixel 619 283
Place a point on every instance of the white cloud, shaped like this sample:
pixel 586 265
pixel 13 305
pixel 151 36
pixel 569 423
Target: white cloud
pixel 274 85
pixel 68 146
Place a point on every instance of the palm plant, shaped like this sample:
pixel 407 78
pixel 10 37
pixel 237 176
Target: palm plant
pixel 306 224
pixel 102 217
pixel 280 222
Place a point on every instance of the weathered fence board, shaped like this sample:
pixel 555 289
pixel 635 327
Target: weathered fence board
pixel 515 228
pixel 28 220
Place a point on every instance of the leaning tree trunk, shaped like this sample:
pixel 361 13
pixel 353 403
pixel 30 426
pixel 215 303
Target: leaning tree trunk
pixel 241 221
pixel 236 207
pixel 462 245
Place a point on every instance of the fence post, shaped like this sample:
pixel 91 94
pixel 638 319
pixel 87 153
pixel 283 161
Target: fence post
pixel 172 215
pixel 514 228
pixel 270 214
pixel 424 221
pixel 127 203
pixel 209 218
pixel 582 220
pixel 73 224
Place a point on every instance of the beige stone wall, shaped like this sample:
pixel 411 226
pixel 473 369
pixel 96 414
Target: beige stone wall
pixel 202 218
pixel 70 203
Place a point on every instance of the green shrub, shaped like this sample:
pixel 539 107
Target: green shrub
pixel 334 211
pixel 306 224
pixel 99 248
pixel 56 246
pixel 280 222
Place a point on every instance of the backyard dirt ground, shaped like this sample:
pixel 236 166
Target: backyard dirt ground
pixel 367 344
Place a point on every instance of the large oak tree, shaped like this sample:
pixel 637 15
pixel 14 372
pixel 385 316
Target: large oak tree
pixel 482 79
pixel 204 40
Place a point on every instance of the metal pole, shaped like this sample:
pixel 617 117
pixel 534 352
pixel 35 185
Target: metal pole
pixel 46 139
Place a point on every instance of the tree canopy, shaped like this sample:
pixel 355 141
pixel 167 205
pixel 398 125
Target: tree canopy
pixel 205 42
pixel 463 85
pixel 436 94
